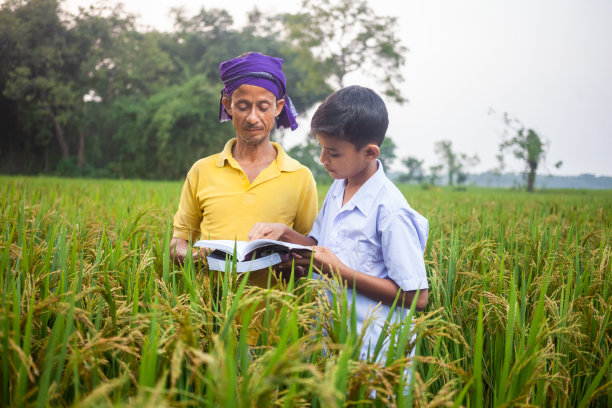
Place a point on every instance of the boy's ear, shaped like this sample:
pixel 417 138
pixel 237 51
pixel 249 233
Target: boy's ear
pixel 371 151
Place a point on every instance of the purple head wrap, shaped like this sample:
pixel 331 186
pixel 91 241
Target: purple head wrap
pixel 259 70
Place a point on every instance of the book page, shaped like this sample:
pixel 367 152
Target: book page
pixel 245 247
pixel 225 245
pixel 258 243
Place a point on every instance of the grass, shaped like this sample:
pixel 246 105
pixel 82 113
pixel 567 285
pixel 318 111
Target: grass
pixel 92 313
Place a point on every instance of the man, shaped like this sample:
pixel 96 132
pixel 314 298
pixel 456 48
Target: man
pixel 252 179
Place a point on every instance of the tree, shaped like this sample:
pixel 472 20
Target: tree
pixel 38 79
pixel 434 173
pixel 205 40
pixel 58 61
pixel 527 146
pixel 174 128
pixel 308 154
pixel 387 152
pixel 349 36
pixel 456 164
pixel 88 94
pixel 415 170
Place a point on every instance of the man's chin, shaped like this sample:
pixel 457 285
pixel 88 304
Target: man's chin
pixel 257 138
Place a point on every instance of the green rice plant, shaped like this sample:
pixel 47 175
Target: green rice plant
pixel 93 312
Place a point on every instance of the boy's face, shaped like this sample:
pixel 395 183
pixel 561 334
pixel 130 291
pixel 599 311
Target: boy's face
pixel 342 160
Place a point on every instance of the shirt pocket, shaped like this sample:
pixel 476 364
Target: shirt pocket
pixel 361 255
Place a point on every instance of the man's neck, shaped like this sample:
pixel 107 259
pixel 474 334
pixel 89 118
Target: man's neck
pixel 253 158
pixel 253 151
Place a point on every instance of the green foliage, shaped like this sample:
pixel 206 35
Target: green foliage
pixel 308 154
pixel 456 164
pixel 92 312
pixel 172 128
pixel 94 96
pixel 526 146
pixel 387 152
pixel 434 173
pixel 348 36
pixel 415 170
pixel 38 75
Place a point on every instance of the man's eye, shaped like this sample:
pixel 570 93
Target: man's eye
pixel 334 155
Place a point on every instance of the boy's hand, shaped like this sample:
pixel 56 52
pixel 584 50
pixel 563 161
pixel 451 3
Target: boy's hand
pixel 267 230
pixel 326 260
pixel 323 259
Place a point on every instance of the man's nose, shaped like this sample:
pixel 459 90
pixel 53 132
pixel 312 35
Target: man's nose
pixel 252 116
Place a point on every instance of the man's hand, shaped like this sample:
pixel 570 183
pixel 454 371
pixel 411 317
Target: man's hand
pixel 268 230
pixel 179 248
pixel 200 254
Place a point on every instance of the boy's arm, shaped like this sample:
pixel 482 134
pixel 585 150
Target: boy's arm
pixel 279 232
pixel 378 289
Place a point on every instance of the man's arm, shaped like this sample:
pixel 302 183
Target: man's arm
pixel 308 205
pixel 378 289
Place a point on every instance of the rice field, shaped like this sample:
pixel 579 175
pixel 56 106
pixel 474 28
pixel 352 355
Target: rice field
pixel 94 314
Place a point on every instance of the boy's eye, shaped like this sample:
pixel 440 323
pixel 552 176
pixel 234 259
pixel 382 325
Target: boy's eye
pixel 334 155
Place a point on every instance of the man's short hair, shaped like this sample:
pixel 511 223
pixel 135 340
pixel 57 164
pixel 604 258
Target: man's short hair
pixel 355 114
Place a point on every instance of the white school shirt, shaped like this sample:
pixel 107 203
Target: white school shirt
pixel 378 233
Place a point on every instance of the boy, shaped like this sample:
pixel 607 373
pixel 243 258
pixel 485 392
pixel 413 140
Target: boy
pixel 366 232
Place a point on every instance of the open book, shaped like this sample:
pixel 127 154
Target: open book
pixel 250 255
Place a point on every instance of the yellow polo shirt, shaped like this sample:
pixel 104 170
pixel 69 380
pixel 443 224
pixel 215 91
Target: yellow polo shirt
pixel 219 202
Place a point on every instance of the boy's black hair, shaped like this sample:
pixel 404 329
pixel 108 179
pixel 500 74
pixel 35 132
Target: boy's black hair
pixel 355 114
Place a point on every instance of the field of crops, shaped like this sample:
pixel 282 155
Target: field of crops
pixel 92 312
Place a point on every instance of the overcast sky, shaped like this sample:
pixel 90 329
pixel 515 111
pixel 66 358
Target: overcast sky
pixel 547 63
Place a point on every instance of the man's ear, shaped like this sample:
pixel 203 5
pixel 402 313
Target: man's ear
pixel 227 104
pixel 280 103
pixel 371 151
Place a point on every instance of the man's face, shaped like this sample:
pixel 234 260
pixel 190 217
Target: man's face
pixel 253 111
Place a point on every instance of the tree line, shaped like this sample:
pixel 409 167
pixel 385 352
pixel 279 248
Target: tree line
pixel 90 94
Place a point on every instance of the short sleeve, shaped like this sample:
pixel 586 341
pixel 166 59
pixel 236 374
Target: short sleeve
pixel 315 232
pixel 188 217
pixel 404 237
pixel 308 204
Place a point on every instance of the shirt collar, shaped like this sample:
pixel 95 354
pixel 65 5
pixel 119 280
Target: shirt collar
pixel 365 197
pixel 284 161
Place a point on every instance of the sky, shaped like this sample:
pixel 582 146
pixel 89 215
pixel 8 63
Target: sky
pixel 547 63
